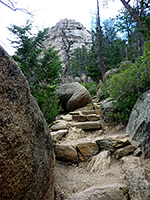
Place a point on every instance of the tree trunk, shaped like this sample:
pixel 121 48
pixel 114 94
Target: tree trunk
pixel 100 45
pixel 67 45
pixel 132 13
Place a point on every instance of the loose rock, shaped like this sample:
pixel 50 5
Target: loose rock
pixel 119 153
pixel 110 192
pixel 66 153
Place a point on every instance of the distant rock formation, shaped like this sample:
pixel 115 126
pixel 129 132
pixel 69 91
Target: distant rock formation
pixel 66 32
pixel 26 160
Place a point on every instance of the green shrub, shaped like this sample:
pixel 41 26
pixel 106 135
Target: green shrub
pixel 102 91
pixel 48 101
pixel 91 87
pixel 129 84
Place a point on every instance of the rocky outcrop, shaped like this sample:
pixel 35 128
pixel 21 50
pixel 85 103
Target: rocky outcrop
pixel 139 123
pixel 74 33
pixel 73 96
pixel 27 162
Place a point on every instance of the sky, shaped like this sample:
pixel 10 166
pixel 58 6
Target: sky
pixel 46 13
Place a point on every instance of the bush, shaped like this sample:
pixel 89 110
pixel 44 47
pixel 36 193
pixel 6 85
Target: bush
pixel 91 87
pixel 129 84
pixel 102 91
pixel 48 101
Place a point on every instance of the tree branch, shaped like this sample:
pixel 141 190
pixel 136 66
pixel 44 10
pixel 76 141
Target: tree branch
pixel 130 9
pixel 11 6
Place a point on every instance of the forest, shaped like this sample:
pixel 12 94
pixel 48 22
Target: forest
pixel 120 45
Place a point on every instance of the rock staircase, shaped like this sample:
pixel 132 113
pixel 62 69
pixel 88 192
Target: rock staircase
pixel 82 138
pixel 83 122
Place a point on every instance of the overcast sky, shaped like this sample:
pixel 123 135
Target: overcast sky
pixel 48 12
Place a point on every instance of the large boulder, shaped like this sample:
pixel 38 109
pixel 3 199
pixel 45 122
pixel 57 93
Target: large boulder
pixel 26 161
pixel 139 123
pixel 137 178
pixel 111 72
pixel 73 96
pixel 107 109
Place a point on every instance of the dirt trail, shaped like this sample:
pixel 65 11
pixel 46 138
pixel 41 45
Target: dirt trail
pixel 72 178
pixel 102 169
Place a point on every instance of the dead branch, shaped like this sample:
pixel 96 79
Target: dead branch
pixel 11 6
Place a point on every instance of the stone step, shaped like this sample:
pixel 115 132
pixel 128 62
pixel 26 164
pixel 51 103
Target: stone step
pixel 84 118
pixel 80 150
pixel 76 152
pixel 89 112
pixel 90 125
pixel 58 135
pixel 64 117
pixel 75 113
pixel 59 125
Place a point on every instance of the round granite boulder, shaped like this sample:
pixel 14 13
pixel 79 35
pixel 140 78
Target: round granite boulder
pixel 73 96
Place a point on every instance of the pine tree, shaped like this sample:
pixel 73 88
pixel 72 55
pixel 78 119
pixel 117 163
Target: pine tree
pixel 41 67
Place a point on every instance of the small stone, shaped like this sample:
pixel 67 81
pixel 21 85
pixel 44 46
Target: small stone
pixel 57 135
pixel 119 153
pixel 67 117
pixel 66 153
pixel 60 124
pixel 87 150
pixel 137 152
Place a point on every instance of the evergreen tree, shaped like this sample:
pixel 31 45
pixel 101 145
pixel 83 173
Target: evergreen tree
pixel 126 25
pixel 114 47
pixel 41 67
pixel 28 48
pixel 78 62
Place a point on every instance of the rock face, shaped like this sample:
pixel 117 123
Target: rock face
pixel 139 186
pixel 26 148
pixel 68 31
pixel 73 96
pixel 139 123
